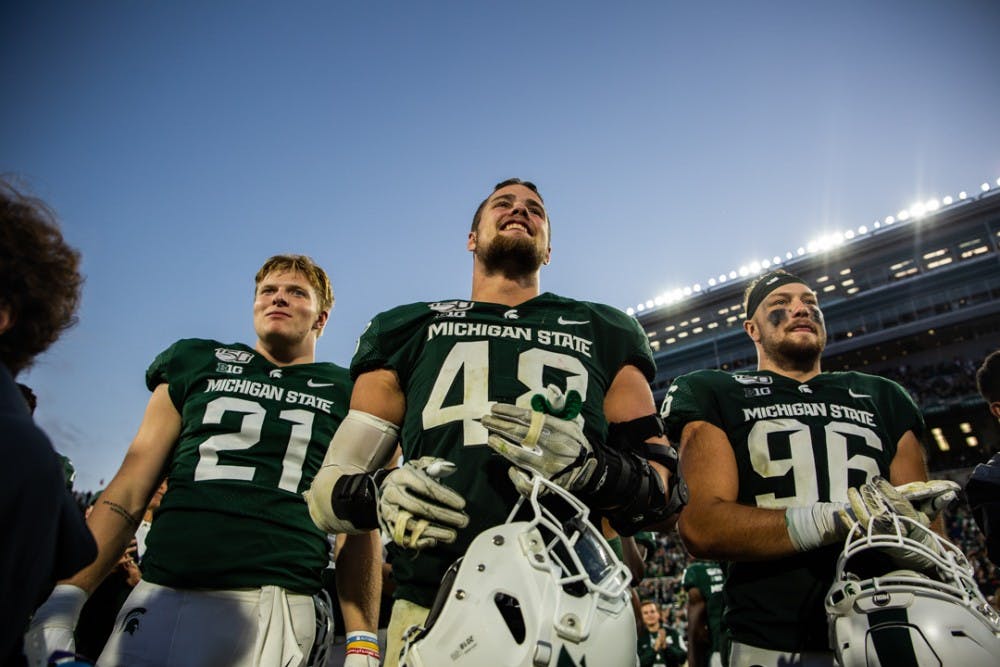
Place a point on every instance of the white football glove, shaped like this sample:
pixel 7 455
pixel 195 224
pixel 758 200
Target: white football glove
pixel 417 511
pixel 53 624
pixel 929 498
pixel 825 523
pixel 894 502
pixel 539 443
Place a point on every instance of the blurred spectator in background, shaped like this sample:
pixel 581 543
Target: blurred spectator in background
pixel 703 584
pixel 659 645
pixel 45 538
pixel 983 489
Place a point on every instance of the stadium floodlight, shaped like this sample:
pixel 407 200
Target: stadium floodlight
pixel 985 187
pixel 687 291
pixel 775 260
pixel 640 308
pixel 903 215
pixel 998 181
pixel 876 225
pixel 889 220
pixel 963 194
pixel 812 246
pixel 863 230
pixel 801 251
pixel 755 266
pixel 658 300
pixel 711 282
pixel 650 304
pixel 932 204
pixel 849 234
pixel 947 200
pixel 630 311
pixel 744 271
pixel 732 274
pixel 765 263
pixel 696 287
pixel 916 211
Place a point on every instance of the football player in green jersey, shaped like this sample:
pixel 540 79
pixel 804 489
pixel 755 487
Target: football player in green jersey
pixel 453 380
pixel 233 558
pixel 702 582
pixel 770 455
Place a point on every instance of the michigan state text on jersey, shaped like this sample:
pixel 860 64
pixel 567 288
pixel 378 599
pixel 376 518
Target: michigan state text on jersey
pixel 455 358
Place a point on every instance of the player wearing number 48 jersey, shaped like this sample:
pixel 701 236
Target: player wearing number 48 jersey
pixel 460 382
pixel 769 456
pixel 233 558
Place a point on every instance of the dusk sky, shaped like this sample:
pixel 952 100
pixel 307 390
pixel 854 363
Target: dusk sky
pixel 182 143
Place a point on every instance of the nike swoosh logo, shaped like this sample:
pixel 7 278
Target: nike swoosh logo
pixel 565 322
pixel 316 385
pixel 853 395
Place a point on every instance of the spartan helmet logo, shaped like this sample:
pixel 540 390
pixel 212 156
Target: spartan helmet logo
pixel 131 621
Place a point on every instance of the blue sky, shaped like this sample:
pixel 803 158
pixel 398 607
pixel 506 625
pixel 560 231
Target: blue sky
pixel 183 143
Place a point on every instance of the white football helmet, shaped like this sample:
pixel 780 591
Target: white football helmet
pixel 883 616
pixel 533 593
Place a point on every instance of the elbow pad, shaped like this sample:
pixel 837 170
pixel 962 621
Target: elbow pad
pixel 624 474
pixel 343 495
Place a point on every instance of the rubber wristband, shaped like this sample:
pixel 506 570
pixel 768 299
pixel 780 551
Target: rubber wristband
pixel 360 642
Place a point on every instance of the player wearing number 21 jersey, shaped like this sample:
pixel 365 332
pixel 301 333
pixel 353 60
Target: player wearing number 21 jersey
pixel 232 557
pixel 769 456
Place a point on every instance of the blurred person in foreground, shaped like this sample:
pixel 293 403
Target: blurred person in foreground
pixel 45 538
pixel 232 559
pixel 770 456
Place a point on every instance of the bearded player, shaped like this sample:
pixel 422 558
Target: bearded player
pixel 454 380
pixel 769 457
pixel 233 558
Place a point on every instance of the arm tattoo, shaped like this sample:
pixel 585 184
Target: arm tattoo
pixel 122 512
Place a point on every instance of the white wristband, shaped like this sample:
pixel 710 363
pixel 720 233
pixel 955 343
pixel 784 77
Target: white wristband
pixel 815 525
pixel 63 606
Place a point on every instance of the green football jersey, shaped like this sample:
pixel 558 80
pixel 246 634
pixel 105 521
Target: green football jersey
pixel 795 444
pixel 252 437
pixel 456 358
pixel 707 576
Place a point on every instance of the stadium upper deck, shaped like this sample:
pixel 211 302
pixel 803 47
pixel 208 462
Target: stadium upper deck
pixel 911 295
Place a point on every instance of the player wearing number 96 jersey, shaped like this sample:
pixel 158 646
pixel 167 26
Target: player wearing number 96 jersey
pixel 769 456
pixel 232 558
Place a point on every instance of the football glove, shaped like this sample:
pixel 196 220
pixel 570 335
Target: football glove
pixel 929 498
pixel 416 510
pixel 53 624
pixel 887 500
pixel 539 443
